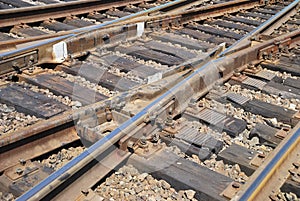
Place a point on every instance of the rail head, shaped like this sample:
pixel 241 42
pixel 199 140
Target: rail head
pixel 267 27
pixel 225 63
pixel 10 17
pixel 190 84
pixel 273 173
pixel 54 50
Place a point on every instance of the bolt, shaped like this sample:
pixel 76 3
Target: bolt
pixel 222 89
pixel 193 105
pixel 152 116
pixel 201 104
pixel 19 171
pixel 155 138
pixel 130 144
pixel 144 131
pixel 143 142
pixel 169 121
pixel 235 185
pixel 85 192
pixel 270 56
pixel 22 161
pixel 297 165
pixel 15 64
pixel 146 118
pixel 30 70
pixel 265 54
pixel 251 66
pixel 31 58
pixel 108 114
pixel 237 74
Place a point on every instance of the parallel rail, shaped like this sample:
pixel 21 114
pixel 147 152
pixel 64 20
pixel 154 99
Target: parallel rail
pixel 269 177
pixel 161 101
pixel 266 28
pixel 190 85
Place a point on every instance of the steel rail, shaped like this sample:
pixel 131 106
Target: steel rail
pixel 83 30
pixel 202 13
pixel 209 11
pixel 91 153
pixel 189 85
pixel 86 29
pixel 271 24
pixel 9 144
pixel 269 176
pixel 100 146
pixel 184 15
pixel 11 17
pixel 45 187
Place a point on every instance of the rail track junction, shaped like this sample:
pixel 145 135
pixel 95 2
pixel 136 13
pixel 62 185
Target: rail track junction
pixel 149 100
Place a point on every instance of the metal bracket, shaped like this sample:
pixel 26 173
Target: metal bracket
pixel 252 69
pixel 20 170
pixel 32 72
pixel 147 151
pixel 230 191
pixel 172 129
pixel 18 62
pixel 238 77
pixel 297 115
pixel 281 134
pixel 258 160
pixel 21 177
pixel 270 51
pixel 94 134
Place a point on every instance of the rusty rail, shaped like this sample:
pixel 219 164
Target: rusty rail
pixel 181 16
pixel 73 8
pixel 10 17
pixel 199 81
pixel 43 52
pixel 266 28
pixel 269 177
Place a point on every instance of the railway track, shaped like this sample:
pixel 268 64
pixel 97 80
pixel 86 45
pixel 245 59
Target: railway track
pixel 32 23
pixel 148 103
pixel 29 25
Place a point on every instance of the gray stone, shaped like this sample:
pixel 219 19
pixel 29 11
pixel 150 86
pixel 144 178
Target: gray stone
pixel 165 185
pixel 142 176
pixel 190 194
